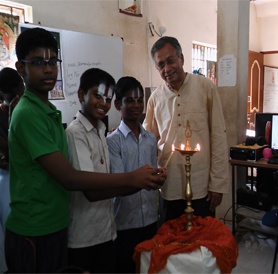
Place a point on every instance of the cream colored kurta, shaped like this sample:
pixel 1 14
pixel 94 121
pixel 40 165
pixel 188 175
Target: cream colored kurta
pixel 167 114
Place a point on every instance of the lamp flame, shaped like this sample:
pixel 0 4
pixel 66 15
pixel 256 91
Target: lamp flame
pixel 198 148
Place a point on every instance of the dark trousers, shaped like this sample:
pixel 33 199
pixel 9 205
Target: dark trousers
pixel 174 209
pixel 95 259
pixel 39 254
pixel 126 242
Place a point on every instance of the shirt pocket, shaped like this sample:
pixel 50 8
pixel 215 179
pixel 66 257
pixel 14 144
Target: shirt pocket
pixel 198 120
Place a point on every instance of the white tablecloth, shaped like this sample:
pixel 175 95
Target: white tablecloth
pixel 200 260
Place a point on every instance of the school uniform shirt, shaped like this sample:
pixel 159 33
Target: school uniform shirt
pixel 127 154
pixel 39 204
pixel 167 114
pixel 91 223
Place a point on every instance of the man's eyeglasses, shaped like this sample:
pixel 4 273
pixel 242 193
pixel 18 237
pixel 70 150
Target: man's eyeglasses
pixel 169 61
pixel 40 62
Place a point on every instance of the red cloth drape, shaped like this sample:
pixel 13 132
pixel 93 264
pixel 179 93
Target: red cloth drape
pixel 172 238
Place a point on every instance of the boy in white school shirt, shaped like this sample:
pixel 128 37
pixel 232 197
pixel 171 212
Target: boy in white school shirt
pixel 92 228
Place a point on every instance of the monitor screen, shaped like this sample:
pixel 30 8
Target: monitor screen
pixel 263 126
pixel 274 132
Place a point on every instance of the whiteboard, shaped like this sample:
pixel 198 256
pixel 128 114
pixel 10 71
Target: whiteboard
pixel 79 52
pixel 270 103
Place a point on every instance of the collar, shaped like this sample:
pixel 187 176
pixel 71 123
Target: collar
pixel 126 130
pixel 186 77
pixel 87 124
pixel 50 109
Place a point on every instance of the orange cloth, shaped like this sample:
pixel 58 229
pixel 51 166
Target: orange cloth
pixel 172 238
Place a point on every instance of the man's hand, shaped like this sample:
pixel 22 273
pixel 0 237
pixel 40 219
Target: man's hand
pixel 149 178
pixel 215 200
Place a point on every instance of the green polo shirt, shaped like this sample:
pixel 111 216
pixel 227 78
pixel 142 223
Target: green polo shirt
pixel 39 204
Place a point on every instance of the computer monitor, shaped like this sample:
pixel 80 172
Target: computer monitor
pixel 263 123
pixel 274 133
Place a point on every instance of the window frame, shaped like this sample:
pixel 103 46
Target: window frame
pixel 24 12
pixel 201 53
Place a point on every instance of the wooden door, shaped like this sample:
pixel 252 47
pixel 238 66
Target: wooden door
pixel 255 87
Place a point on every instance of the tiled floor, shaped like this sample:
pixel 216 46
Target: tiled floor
pixel 256 253
pixel 256 249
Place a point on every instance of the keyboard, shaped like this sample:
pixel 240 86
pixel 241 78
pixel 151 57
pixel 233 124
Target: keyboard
pixel 273 161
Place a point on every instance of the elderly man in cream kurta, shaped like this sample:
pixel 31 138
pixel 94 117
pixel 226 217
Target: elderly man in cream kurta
pixel 187 97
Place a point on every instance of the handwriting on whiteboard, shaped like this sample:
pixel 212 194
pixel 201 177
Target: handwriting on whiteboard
pixel 73 73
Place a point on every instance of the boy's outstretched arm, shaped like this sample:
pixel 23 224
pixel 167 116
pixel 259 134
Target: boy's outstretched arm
pixel 95 195
pixel 58 166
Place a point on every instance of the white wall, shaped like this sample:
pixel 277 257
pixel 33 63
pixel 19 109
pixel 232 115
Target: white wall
pixel 267 17
pixel 269 33
pixel 185 19
pixel 190 20
pixel 271 60
pixel 263 29
pixel 254 33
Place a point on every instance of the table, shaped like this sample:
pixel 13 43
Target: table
pixel 262 163
pixel 209 247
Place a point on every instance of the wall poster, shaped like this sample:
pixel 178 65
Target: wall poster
pixel 131 7
pixel 8 35
pixel 227 71
pixel 270 101
pixel 211 71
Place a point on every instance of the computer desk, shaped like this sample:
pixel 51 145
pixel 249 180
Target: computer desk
pixel 262 163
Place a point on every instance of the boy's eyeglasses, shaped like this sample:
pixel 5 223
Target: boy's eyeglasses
pixel 39 62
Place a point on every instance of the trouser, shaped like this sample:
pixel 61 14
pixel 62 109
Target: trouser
pixel 174 209
pixel 95 259
pixel 36 254
pixel 126 242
